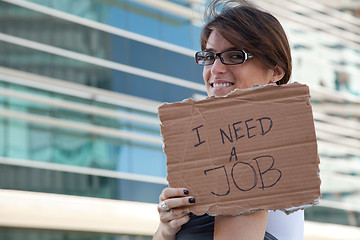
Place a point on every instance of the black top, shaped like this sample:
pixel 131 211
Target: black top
pixel 202 228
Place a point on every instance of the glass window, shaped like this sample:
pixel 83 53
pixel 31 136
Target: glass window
pixel 51 181
pixel 87 74
pixel 139 159
pixel 17 139
pixel 128 15
pixel 143 20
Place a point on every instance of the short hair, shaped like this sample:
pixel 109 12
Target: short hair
pixel 251 29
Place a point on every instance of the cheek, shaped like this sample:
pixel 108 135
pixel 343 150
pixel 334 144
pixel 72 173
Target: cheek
pixel 266 77
pixel 243 78
pixel 206 74
pixel 250 76
pixel 269 75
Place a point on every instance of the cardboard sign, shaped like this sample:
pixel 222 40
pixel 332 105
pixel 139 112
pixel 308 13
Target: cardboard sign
pixel 253 149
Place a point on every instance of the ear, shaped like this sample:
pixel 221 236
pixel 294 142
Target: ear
pixel 278 74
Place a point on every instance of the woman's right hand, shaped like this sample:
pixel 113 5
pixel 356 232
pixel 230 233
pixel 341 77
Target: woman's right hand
pixel 171 218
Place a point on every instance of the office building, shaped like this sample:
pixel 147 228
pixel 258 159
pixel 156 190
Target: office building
pixel 80 83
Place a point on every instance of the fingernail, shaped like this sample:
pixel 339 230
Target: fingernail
pixel 191 200
pixel 186 192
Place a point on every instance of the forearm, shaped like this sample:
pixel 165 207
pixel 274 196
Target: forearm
pixel 161 235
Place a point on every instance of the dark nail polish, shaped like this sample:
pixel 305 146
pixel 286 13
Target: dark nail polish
pixel 191 200
pixel 186 192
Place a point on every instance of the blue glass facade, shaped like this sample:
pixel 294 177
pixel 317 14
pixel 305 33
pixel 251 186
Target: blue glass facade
pixel 134 17
pixel 39 123
pixel 80 82
pixel 104 46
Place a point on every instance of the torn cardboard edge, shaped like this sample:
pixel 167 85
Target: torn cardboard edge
pixel 254 149
pixel 211 97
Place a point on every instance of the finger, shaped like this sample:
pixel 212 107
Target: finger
pixel 176 203
pixel 163 207
pixel 177 223
pixel 173 192
pixel 172 227
pixel 172 215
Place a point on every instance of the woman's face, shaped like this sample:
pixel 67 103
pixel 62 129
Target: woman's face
pixel 220 79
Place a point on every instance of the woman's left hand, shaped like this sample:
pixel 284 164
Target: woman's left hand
pixel 172 219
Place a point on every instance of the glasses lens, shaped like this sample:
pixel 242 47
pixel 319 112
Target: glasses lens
pixel 205 58
pixel 233 57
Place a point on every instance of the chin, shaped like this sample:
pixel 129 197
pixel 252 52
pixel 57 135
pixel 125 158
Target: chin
pixel 222 92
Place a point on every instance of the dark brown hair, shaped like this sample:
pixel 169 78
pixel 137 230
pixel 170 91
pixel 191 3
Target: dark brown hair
pixel 251 29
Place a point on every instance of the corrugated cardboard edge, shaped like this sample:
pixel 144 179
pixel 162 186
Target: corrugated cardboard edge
pixel 256 88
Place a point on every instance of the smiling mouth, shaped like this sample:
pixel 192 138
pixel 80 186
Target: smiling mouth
pixel 216 85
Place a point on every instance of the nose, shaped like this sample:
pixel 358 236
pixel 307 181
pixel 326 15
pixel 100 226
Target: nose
pixel 218 67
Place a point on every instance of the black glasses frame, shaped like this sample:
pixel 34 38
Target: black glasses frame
pixel 246 56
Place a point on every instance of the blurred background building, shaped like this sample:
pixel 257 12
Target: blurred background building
pixel 80 82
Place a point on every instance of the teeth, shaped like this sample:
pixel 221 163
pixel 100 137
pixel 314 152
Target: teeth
pixel 222 84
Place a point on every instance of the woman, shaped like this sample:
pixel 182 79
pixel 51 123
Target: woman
pixel 242 46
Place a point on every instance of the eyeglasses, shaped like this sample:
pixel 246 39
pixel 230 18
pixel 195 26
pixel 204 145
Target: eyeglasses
pixel 229 57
